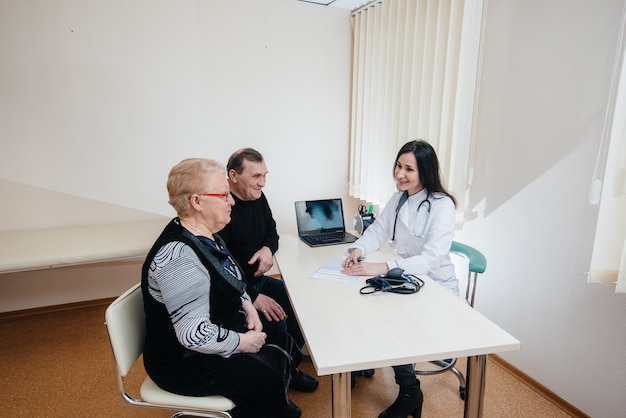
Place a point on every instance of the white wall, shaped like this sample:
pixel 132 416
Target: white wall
pixel 544 87
pixel 99 99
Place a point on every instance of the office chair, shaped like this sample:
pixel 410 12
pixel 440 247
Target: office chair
pixel 477 265
pixel 126 326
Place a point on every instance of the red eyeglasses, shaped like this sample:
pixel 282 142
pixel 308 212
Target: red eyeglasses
pixel 224 196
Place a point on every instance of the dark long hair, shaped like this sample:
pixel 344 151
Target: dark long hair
pixel 427 166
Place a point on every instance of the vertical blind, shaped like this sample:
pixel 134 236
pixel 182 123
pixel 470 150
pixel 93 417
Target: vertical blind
pixel 608 260
pixel 415 72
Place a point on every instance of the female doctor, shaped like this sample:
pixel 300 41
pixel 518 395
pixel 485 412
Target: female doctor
pixel 418 222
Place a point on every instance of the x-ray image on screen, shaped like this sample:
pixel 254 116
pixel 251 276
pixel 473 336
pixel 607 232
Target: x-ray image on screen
pixel 319 215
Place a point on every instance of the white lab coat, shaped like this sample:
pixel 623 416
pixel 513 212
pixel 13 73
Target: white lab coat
pixel 422 237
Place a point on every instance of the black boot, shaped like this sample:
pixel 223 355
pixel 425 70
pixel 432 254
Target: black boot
pixel 408 402
pixel 302 382
pixel 290 411
pixel 365 373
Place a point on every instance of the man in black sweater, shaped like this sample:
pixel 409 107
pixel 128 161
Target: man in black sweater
pixel 252 239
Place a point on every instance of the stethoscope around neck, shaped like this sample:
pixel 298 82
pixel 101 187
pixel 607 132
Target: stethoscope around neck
pixel 402 201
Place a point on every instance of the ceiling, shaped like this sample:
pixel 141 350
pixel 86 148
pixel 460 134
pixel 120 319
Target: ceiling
pixel 341 4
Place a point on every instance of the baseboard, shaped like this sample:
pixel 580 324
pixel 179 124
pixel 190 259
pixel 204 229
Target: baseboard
pixel 55 308
pixel 538 387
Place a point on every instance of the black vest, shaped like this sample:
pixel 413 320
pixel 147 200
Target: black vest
pixel 162 348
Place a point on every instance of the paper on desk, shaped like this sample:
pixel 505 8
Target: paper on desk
pixel 332 271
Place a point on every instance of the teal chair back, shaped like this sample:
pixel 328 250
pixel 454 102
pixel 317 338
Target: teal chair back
pixel 477 264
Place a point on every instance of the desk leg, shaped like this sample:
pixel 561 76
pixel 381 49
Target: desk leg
pixel 342 404
pixel 474 397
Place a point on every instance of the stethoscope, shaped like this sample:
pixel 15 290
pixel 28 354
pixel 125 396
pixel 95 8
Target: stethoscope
pixel 403 199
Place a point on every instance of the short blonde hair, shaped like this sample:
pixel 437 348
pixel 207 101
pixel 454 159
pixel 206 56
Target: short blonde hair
pixel 189 177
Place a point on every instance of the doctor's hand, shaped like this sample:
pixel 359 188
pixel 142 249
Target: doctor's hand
pixel 363 268
pixel 355 257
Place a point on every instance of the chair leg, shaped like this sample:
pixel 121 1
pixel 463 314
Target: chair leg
pixel 462 385
pixel 444 365
pixel 447 365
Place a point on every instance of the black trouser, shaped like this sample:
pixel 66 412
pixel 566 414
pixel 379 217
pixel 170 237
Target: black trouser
pixel 405 375
pixel 275 289
pixel 256 382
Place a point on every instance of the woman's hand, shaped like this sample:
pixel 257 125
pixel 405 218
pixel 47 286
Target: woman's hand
pixel 253 322
pixel 251 342
pixel 355 257
pixel 363 268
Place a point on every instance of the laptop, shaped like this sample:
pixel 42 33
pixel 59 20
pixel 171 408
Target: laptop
pixel 320 222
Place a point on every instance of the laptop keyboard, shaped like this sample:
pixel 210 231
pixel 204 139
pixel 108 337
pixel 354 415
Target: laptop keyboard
pixel 330 237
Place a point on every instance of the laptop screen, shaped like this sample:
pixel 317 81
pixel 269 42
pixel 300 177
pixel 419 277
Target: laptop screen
pixel 315 216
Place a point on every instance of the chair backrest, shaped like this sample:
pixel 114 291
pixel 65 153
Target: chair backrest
pixel 476 259
pixel 126 324
pixel 477 264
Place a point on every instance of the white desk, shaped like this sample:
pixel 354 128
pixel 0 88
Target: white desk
pixel 347 331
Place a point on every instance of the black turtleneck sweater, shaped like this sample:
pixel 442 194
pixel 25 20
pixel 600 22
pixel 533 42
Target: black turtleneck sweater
pixel 252 226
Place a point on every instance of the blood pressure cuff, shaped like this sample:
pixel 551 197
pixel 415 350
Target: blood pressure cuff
pixel 405 284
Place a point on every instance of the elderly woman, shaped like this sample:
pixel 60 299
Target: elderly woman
pixel 203 335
